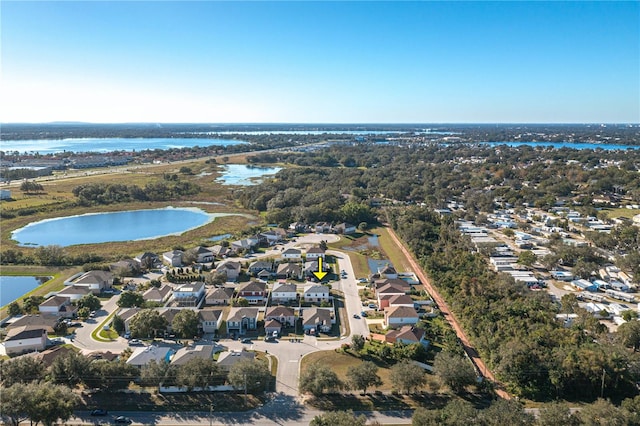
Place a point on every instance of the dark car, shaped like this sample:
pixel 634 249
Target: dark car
pixel 364 314
pixel 123 420
pixel 356 316
pixel 99 412
pixel 246 340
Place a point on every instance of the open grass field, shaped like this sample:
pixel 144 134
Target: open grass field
pixel 628 213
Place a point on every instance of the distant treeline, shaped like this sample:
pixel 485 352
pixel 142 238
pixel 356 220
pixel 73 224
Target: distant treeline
pixel 96 193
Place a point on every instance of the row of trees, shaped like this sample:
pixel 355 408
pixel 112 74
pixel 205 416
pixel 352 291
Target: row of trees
pixel 98 193
pixel 515 329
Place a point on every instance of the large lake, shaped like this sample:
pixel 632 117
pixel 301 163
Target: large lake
pixel 50 146
pixel 572 145
pixel 242 174
pixel 113 226
pixel 11 288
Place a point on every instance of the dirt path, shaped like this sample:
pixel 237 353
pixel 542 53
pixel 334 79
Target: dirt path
pixel 446 312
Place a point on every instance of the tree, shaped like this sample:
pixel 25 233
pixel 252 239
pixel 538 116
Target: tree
pixel 240 301
pixel 459 412
pixel 363 375
pixel 255 374
pixel 21 370
pixel 61 328
pixel 15 402
pixel 130 299
pixel 629 315
pixel 110 376
pixel 83 313
pixel 215 278
pixel 423 417
pixel 90 301
pixel 506 412
pixel 51 403
pixel 71 369
pixel 455 371
pixel 30 304
pixel 185 323
pixel 147 323
pixel 338 418
pixel 157 373
pixel 527 258
pixel 14 309
pixel 323 245
pixel 318 379
pixel 52 255
pixel 407 376
pixel 629 334
pixel 118 324
pixel 199 373
pixel 557 414
pixel 601 413
pixel 357 341
pixel 31 187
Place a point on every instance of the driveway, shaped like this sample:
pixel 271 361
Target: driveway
pixel 86 343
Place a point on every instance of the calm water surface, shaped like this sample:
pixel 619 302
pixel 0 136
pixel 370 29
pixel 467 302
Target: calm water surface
pixel 50 146
pixel 242 174
pixel 113 226
pixel 12 288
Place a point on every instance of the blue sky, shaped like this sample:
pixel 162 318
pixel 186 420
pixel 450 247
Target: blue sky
pixel 320 62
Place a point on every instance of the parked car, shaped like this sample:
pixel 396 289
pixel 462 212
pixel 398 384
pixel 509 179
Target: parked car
pixel 363 280
pixel 269 339
pixel 123 420
pixel 99 412
pixel 135 342
pixel 364 314
pixel 356 316
pixel 127 335
pixel 372 306
pixel 245 340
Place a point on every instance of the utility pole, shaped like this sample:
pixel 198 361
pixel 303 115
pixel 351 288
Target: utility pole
pixel 245 389
pixel 602 386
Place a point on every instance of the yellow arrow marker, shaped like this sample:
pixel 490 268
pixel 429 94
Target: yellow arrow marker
pixel 321 273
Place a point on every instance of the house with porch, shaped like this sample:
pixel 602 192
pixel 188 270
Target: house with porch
pixel 189 295
pixel 240 320
pixel 317 320
pixel 254 291
pixel 283 314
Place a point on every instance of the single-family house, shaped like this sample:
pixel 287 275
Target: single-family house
pixel 48 356
pixel 317 319
pixel 298 227
pixel 323 227
pixel 187 353
pixel 98 281
pixel 125 267
pixel 316 293
pixel 144 355
pixel 397 282
pixel 289 270
pixel 203 254
pixel 24 339
pixel 220 251
pixel 313 266
pixel 230 269
pixel 226 360
pixel 344 228
pixel 292 254
pixel 407 334
pixel 272 327
pixel 147 260
pixel 314 253
pixel 261 265
pixel 397 316
pixel 126 315
pixel 44 321
pixel 241 320
pixel 74 293
pixel 388 271
pixel 383 293
pixel 283 293
pixel 210 320
pixel 219 296
pixel 247 244
pixel 273 236
pixel 254 291
pixel 173 257
pixel 59 306
pixel 283 314
pixel 395 300
pixel 189 294
pixel 158 295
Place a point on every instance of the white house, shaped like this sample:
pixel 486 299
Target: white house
pixel 186 354
pixel 314 253
pixel 397 316
pixel 316 293
pixel 189 294
pixel 59 306
pixel 283 292
pixel 21 340
pixel 96 281
pixel 144 355
pixel 203 255
pixel 210 320
pixel 292 254
pixel 158 295
pixel 74 293
pixel 173 257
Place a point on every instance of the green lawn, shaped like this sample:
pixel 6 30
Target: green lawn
pixel 628 213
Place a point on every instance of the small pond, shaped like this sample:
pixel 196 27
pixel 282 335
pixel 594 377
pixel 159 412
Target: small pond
pixel 13 287
pixel 113 226
pixel 243 174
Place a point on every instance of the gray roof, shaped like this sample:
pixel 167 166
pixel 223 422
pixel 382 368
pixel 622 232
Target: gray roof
pixel 144 355
pixel 26 333
pixel 184 355
pixel 210 314
pixel 227 359
pixel 236 314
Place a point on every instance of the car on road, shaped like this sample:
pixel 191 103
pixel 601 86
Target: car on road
pixel 135 342
pixel 245 340
pixel 269 339
pixel 363 280
pixel 127 335
pixel 372 306
pixel 123 420
pixel 364 314
pixel 99 412
pixel 356 316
